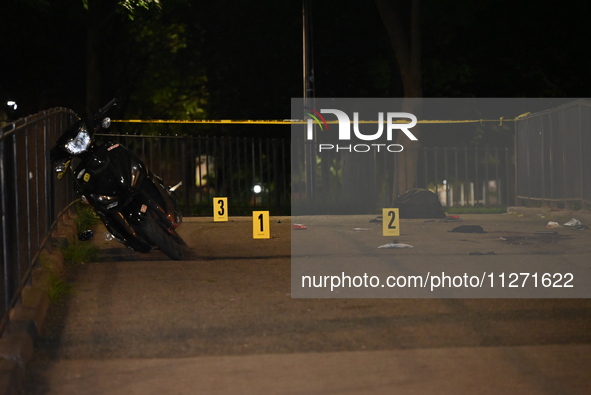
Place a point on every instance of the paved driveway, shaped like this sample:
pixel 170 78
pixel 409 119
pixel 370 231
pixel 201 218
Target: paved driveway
pixel 225 322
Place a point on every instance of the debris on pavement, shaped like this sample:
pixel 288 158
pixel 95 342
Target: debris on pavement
pixel 299 227
pixel 360 229
pixel 483 253
pixel 86 235
pixel 553 224
pixel 396 245
pixel 573 222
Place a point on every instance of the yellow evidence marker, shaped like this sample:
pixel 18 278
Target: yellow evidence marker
pixel 220 209
pixel 261 227
pixel 390 222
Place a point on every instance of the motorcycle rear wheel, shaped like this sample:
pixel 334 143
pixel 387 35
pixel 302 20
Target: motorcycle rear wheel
pixel 168 241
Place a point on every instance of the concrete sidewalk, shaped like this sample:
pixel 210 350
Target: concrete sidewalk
pixel 480 370
pixel 226 323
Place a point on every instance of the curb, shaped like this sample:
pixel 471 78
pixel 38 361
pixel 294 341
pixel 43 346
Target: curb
pixel 27 317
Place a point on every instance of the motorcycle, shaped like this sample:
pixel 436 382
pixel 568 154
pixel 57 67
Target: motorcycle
pixel 134 204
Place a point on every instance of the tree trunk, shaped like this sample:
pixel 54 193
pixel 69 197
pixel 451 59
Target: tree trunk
pixel 405 38
pixel 98 15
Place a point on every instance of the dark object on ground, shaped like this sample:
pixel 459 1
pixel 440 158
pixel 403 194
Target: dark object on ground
pixel 86 235
pixel 419 203
pixel 468 229
pixel 483 253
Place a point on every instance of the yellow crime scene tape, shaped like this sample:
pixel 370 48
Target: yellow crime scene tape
pixel 296 121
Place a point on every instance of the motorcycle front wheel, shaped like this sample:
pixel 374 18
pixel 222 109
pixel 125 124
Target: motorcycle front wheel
pixel 168 241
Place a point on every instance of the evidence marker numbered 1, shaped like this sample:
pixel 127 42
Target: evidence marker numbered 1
pixel 220 209
pixel 390 222
pixel 261 225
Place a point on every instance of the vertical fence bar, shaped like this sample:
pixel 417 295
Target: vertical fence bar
pixel 426 159
pixel 476 179
pixel 286 195
pixel 246 178
pixel 224 174
pixel 436 167
pixel 581 156
pixel 184 174
pixel 168 163
pixel 497 180
pixel 507 178
pixel 218 168
pixel 261 179
pixel 200 181
pixel 4 230
pixel 28 195
pixel 253 156
pixel 565 177
pixel 231 167
pixel 456 176
pixel 17 200
pixel 276 167
pixel 485 198
pixel 270 171
pixel 467 182
pixel 446 176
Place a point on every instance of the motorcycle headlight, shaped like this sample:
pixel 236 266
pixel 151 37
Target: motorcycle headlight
pixel 80 143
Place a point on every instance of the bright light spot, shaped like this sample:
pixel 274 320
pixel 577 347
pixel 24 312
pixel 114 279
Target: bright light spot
pixel 257 189
pixel 11 103
pixel 444 182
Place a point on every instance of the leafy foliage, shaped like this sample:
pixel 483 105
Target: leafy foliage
pixel 164 74
pixel 129 7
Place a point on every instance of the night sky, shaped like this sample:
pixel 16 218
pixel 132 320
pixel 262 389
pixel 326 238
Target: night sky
pixel 251 52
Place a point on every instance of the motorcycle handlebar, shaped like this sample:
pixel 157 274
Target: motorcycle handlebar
pixel 106 108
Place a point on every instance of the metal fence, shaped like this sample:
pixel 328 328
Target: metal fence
pixel 30 199
pixel 252 172
pixel 553 160
pixel 461 177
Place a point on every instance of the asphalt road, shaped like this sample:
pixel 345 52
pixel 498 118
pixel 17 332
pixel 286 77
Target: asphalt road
pixel 225 322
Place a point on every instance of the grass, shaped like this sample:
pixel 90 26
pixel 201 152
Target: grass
pixel 59 289
pixel 80 252
pixel 85 218
pixel 76 253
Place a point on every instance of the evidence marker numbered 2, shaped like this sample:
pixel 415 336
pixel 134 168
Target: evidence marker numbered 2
pixel 390 222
